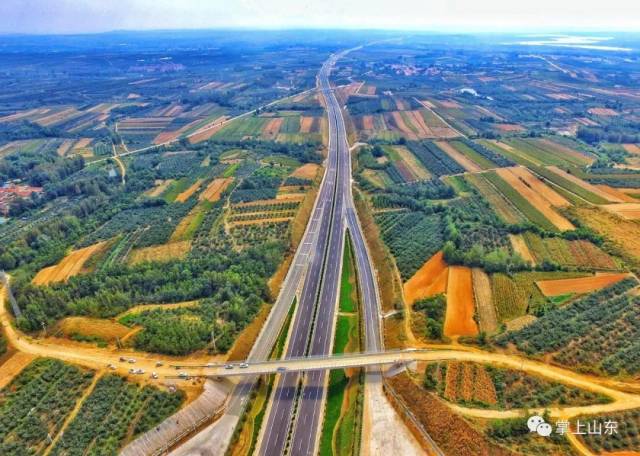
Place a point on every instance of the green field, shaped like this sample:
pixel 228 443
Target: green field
pixel 348 280
pixel 249 126
pixel 533 214
pixel 474 156
pixel 177 187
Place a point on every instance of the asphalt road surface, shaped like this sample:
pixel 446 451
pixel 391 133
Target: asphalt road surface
pixel 323 277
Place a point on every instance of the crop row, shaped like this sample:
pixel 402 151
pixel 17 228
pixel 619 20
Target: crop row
pixel 434 159
pixel 412 237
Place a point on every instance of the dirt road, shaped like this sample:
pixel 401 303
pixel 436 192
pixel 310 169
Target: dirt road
pixel 99 358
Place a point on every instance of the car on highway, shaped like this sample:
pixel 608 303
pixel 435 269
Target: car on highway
pixel 154 375
pixel 183 375
pixel 228 366
pixel 131 360
pixel 111 366
pixel 159 363
pixel 281 369
pixel 243 365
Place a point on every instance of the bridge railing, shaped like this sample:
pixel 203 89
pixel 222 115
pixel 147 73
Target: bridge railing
pixel 304 358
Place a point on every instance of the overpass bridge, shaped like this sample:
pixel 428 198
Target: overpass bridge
pixel 313 363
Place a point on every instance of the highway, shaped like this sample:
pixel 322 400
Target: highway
pixel 308 420
pixel 307 263
pixel 315 316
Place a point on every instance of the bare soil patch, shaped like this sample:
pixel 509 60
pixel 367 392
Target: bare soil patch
pixel 579 285
pixel 465 162
pixel 184 196
pixel 537 186
pixel 629 211
pixel 13 366
pixel 429 280
pixel 160 186
pixel 617 193
pixel 520 247
pixel 69 266
pixel 460 306
pixel 603 112
pixel 535 199
pixel 105 329
pixel 306 171
pixel 215 188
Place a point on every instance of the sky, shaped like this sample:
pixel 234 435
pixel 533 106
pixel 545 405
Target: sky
pixel 86 16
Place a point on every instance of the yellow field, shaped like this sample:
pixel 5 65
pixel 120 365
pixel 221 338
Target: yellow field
pixel 69 266
pixel 105 329
pixel 307 171
pixel 182 197
pixel 164 252
pixel 160 186
pixel 215 188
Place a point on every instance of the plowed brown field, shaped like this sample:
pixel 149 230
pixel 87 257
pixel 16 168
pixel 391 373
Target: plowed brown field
pixel 182 197
pixel 215 188
pixel 429 280
pixel 460 308
pixel 579 285
pixel 520 247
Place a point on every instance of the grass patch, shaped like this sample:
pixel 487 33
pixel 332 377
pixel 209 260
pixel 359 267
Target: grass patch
pixel 481 161
pixel 175 189
pixel 347 281
pixel 231 170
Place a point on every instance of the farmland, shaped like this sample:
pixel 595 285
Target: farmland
pixel 136 410
pixel 587 332
pixel 490 387
pixel 37 402
pixel 156 184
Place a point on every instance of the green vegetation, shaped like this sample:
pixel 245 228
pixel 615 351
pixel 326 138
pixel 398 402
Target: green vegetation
pixel 524 206
pixel 120 410
pixel 627 437
pixel 36 403
pixel 588 332
pixel 567 184
pixel 517 294
pixel 433 309
pixel 348 280
pixel 412 237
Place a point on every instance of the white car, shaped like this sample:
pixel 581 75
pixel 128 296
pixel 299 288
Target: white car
pixel 111 366
pixel 228 366
pixel 131 360
pixel 183 375
pixel 243 365
pixel 154 375
pixel 159 363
